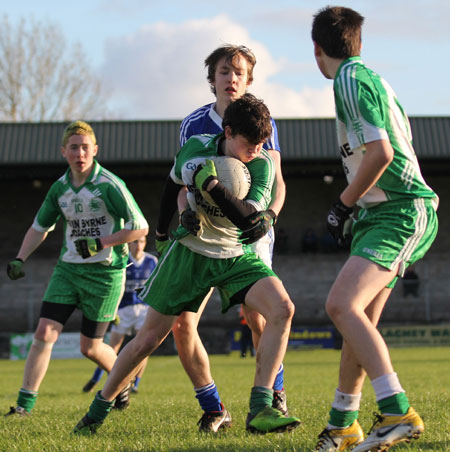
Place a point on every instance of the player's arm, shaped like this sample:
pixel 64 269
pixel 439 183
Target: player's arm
pixel 122 236
pixel 187 217
pixel 30 242
pixel 279 187
pixel 379 154
pixel 236 210
pixel 167 208
pixel 262 221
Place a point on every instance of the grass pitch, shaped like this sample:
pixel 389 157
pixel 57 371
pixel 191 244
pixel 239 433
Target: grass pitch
pixel 163 416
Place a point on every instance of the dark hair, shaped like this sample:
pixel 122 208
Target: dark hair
pixel 230 52
pixel 337 30
pixel 249 117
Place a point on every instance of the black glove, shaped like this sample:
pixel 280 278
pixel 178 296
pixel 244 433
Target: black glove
pixel 14 269
pixel 339 221
pixel 88 247
pixel 261 222
pixel 190 221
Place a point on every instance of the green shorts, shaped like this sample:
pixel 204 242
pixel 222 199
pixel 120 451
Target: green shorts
pixel 395 233
pixel 93 288
pixel 182 279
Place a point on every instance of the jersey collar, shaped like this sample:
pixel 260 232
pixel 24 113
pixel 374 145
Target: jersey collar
pixel 94 174
pixel 215 116
pixel 348 61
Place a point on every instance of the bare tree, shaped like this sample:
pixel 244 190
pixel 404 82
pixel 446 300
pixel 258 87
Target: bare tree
pixel 42 78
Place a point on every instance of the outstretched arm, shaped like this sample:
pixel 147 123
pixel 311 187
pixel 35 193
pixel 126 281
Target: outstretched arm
pixel 30 242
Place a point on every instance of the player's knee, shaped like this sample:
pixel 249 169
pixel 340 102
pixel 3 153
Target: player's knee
pixel 334 309
pixel 46 333
pixel 283 311
pixel 88 350
pixel 183 329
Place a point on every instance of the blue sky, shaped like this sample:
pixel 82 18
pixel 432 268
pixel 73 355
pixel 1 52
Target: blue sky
pixel 149 53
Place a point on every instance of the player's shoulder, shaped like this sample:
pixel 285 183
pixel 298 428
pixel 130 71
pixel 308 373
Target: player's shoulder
pixel 60 185
pixel 196 114
pixel 264 157
pixel 197 143
pixel 107 177
pixel 261 164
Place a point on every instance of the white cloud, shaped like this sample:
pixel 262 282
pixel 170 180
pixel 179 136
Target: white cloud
pixel 158 73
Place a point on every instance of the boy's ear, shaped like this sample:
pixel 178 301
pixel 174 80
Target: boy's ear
pixel 317 50
pixel 63 151
pixel 228 132
pixel 95 150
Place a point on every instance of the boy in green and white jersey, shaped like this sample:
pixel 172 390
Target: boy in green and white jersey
pixel 395 227
pixel 212 256
pixel 100 217
pixel 218 236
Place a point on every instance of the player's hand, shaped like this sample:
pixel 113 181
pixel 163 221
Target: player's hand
pixel 204 174
pixel 190 221
pixel 88 247
pixel 15 269
pixel 339 221
pixel 162 242
pixel 260 222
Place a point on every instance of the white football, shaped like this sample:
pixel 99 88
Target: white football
pixel 234 175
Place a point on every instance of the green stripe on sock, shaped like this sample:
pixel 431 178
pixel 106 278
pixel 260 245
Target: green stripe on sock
pixel 396 404
pixel 260 397
pixel 342 418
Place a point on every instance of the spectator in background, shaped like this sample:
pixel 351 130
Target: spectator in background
pixel 246 335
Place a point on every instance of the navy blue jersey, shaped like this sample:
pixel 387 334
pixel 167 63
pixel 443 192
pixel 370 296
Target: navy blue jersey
pixel 206 120
pixel 137 273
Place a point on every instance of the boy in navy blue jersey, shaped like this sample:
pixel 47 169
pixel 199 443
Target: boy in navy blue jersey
pixel 230 73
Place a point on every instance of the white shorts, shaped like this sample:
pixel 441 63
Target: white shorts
pixel 131 319
pixel 264 247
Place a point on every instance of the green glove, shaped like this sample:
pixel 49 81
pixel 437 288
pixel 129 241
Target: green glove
pixel 204 174
pixel 88 247
pixel 162 242
pixel 14 269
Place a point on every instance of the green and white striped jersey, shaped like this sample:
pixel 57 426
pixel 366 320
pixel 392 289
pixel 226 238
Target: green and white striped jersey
pixel 367 109
pixel 218 237
pixel 101 206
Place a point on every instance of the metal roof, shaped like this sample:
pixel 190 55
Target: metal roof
pixel 157 141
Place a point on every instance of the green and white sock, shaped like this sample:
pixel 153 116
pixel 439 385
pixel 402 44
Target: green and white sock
pixel 27 399
pixel 344 410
